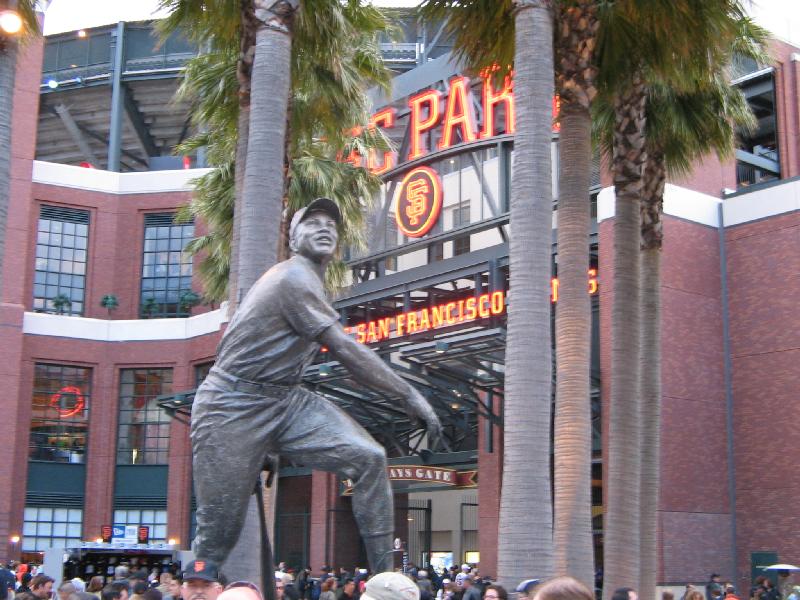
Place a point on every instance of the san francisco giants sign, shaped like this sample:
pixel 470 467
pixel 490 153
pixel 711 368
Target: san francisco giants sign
pixel 419 202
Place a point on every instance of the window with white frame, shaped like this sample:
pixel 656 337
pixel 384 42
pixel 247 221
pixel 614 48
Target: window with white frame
pixel 156 520
pixel 50 527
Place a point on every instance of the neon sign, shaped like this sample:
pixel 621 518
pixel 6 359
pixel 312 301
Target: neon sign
pixel 456 312
pixel 61 401
pixel 419 202
pixel 453 114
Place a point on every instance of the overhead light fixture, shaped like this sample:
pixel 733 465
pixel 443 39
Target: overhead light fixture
pixel 52 84
pixel 172 542
pixel 99 540
pixel 14 539
pixel 81 33
pixel 441 347
pixel 10 21
pixel 455 405
pixel 324 370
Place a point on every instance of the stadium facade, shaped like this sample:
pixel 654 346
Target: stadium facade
pixel 103 343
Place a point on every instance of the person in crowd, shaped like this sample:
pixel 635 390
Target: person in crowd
pixel 174 588
pixel 495 592
pixel 623 593
pixel 138 587
pixel 301 583
pixel 568 588
pixel 290 590
pixel 7 583
pixel 423 582
pixel 667 595
pixel 770 591
pixel 730 592
pixel 201 581
pixel 471 591
pixel 348 590
pixel 24 583
pixel 152 593
pixel 689 588
pixel 328 589
pixel 95 587
pixel 65 589
pixel 442 591
pixel 695 595
pixel 42 587
pixel 460 576
pixel 163 583
pixel 390 586
pixel 243 590
pixel 527 588
pixel 713 584
pixel 121 572
pixel 116 590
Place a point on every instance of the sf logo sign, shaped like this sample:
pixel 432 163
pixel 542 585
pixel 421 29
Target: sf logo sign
pixel 419 202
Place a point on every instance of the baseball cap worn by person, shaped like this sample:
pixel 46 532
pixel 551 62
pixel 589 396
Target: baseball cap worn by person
pixel 390 586
pixel 201 569
pixel 525 586
pixel 324 204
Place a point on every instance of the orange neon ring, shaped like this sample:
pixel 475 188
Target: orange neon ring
pixel 80 401
pixel 435 210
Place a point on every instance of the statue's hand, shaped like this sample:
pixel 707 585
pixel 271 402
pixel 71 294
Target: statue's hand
pixel 419 409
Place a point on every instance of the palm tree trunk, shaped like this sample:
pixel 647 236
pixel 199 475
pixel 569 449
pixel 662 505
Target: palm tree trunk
pixel 572 534
pixel 264 185
pixel 244 73
pixel 572 510
pixel 650 367
pixel 525 531
pixel 8 68
pixel 621 565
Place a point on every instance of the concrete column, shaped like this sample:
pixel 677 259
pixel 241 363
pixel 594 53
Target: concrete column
pixel 490 472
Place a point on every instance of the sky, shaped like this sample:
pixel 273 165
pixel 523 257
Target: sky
pixel 781 17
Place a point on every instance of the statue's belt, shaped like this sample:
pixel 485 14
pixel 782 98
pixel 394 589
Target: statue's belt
pixel 237 384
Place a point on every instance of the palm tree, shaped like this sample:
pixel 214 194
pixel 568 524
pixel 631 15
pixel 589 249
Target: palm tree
pixel 636 60
pixel 482 32
pixel 572 533
pixel 9 45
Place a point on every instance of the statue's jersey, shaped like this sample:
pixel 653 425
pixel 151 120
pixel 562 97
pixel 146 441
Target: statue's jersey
pixel 272 336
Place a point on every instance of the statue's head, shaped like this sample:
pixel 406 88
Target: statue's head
pixel 313 232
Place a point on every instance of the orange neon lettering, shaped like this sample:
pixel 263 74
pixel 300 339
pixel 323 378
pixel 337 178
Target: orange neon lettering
pixel 372 334
pixel 361 330
pixel 424 320
pixel 472 312
pixel 438 316
pixel 383 328
pixel 460 311
pixel 458 113
pixel 385 119
pixel 418 125
pixel 412 322
pixel 554 290
pixel 497 303
pixel 491 98
pixel 593 281
pixel 483 306
pixel 401 321
pixel 448 309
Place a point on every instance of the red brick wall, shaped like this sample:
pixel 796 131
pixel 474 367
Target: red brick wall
pixel 116 239
pixel 23 131
pixel 694 517
pixel 763 268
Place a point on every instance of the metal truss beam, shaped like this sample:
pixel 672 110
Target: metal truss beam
pixel 76 134
pixel 135 120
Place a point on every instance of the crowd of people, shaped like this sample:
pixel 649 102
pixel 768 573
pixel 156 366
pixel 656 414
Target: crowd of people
pixel 202 580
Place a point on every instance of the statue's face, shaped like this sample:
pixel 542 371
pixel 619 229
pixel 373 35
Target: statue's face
pixel 315 237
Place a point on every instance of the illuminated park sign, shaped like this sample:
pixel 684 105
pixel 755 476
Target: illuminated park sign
pixel 419 202
pixel 455 312
pixel 453 114
pixel 410 474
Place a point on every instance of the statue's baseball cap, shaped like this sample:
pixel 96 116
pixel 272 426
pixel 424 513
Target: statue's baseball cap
pixel 324 204
pixel 201 569
pixel 390 586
